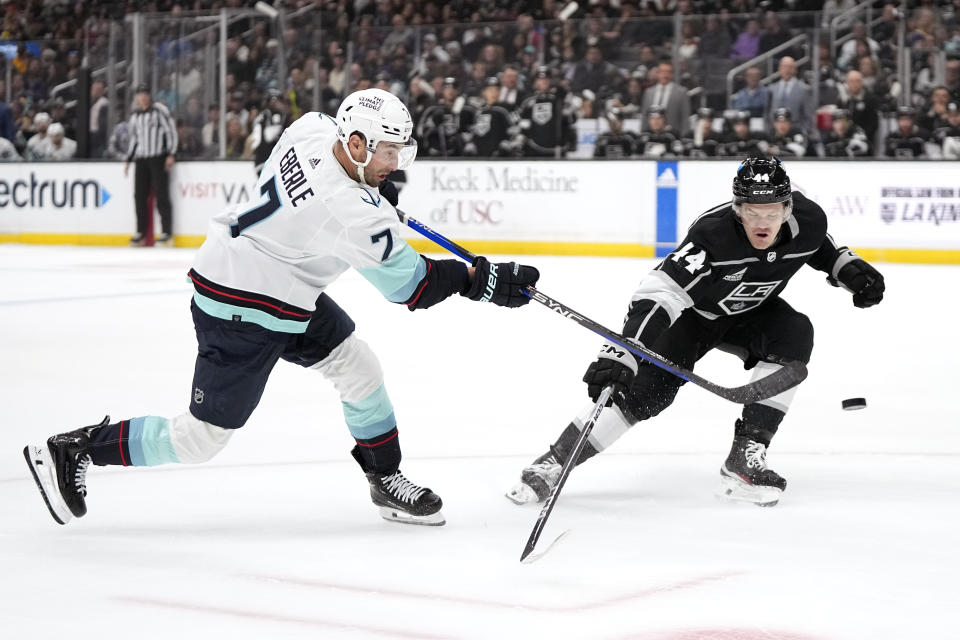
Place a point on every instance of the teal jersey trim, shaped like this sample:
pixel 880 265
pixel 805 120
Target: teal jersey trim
pixel 370 417
pixel 245 314
pixel 397 278
pixel 149 442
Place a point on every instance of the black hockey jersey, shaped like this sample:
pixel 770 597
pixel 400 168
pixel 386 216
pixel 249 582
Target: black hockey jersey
pixel 911 145
pixel 657 144
pixel 614 145
pixel 852 143
pixel 716 271
pixel 494 133
pixel 546 125
pixel 756 142
pixel 792 144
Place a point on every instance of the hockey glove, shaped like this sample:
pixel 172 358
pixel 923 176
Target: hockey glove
pixel 389 191
pixel 862 280
pixel 501 283
pixel 614 367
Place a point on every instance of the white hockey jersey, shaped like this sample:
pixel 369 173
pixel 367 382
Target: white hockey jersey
pixel 267 262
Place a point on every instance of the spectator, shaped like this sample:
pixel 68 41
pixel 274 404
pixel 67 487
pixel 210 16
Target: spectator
pixel 210 132
pixel 833 8
pixel 7 130
pixel 907 140
pixel 715 40
pixel 511 93
pixel 99 111
pixel 859 41
pixel 935 115
pixel 56 146
pixel 41 122
pixel 792 93
pixel 299 95
pixel 8 152
pixel 786 140
pixel 337 76
pixel 236 138
pixel 845 139
pixel 861 104
pixel 671 96
pixel 747 45
pixel 753 98
pixel 774 34
pixel 593 73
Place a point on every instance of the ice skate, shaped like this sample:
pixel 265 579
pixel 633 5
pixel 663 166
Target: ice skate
pixel 59 468
pixel 745 477
pixel 163 240
pixel 536 480
pixel 400 500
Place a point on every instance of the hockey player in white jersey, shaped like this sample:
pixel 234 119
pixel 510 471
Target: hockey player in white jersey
pixel 259 282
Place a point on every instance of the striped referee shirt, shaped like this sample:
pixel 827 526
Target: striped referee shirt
pixel 152 133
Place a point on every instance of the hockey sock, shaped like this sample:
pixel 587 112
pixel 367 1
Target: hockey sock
pixel 759 423
pixel 380 454
pixel 565 443
pixel 143 441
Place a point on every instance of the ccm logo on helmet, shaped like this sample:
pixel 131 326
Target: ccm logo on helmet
pixel 371 102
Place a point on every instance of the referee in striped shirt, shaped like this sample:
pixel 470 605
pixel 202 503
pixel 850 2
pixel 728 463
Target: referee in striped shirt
pixel 153 142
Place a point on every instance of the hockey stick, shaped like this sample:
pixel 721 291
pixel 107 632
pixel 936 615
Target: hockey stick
pixel 565 470
pixel 789 375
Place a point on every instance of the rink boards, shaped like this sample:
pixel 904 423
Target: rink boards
pixel 894 211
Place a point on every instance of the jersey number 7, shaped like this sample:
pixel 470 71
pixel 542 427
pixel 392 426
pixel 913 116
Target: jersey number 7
pixel 259 213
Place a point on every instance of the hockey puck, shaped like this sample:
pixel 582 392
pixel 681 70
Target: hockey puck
pixel 852 404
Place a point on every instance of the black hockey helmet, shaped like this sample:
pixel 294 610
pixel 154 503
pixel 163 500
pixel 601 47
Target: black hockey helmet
pixel 761 179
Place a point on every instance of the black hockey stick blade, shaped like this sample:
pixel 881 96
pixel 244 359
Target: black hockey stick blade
pixel 564 472
pixel 789 375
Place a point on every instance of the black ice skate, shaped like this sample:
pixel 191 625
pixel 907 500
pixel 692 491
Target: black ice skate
pixel 60 470
pixel 745 476
pixel 536 480
pixel 402 501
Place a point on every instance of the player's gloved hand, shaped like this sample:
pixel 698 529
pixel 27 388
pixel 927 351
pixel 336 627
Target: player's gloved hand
pixel 501 283
pixel 863 281
pixel 389 191
pixel 614 367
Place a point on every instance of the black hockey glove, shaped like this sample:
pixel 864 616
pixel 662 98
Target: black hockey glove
pixel 615 367
pixel 501 283
pixel 389 191
pixel 862 280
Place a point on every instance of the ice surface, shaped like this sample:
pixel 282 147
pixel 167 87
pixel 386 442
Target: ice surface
pixel 276 537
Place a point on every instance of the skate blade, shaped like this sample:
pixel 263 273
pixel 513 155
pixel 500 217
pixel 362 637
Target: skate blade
pixel 396 515
pixel 522 494
pixel 44 474
pixel 734 489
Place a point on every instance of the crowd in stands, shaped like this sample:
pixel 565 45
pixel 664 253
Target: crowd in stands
pixel 508 78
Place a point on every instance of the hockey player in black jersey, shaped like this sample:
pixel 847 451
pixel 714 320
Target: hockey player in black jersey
pixel 546 121
pixel 267 127
pixel 703 142
pixel 719 289
pixel 786 139
pixel 658 140
pixel 615 142
pixel 741 141
pixel 494 132
pixel 908 140
pixel 846 139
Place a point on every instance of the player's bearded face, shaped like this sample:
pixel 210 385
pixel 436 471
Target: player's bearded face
pixel 762 223
pixel 382 162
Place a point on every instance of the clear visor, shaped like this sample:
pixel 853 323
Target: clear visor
pixel 395 154
pixel 768 213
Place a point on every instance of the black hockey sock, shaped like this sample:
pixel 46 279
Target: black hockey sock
pixel 759 423
pixel 108 445
pixel 380 454
pixel 568 439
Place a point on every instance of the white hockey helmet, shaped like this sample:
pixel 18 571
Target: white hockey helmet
pixel 379 116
